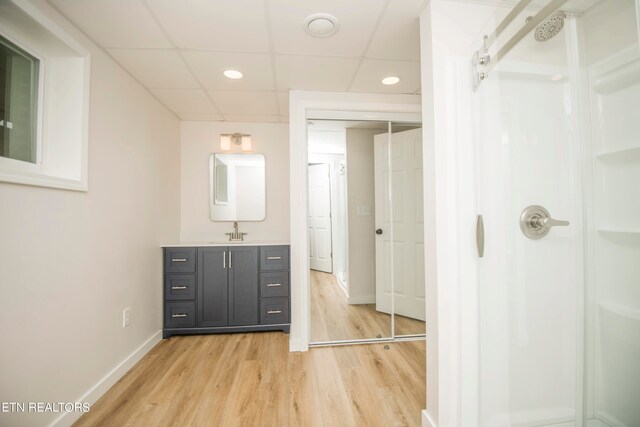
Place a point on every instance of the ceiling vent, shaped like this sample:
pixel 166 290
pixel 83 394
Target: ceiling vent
pixel 321 25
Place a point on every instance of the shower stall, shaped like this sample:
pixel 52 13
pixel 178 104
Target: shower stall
pixel 550 124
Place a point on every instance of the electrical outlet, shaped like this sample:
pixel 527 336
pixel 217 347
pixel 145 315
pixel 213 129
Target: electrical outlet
pixel 126 317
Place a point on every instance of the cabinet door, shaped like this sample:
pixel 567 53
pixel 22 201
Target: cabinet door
pixel 243 285
pixel 213 271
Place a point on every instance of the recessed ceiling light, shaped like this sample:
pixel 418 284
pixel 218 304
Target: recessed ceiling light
pixel 321 25
pixel 233 74
pixel 556 77
pixel 391 80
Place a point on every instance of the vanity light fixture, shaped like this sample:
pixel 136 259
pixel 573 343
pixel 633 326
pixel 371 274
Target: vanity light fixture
pixel 243 140
pixel 225 142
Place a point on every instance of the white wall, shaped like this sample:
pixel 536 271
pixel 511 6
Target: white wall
pixel 71 261
pixel 361 192
pixel 198 141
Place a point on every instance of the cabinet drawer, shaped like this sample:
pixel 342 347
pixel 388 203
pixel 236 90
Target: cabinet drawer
pixel 180 260
pixel 274 284
pixel 179 287
pixel 180 315
pixel 274 258
pixel 274 311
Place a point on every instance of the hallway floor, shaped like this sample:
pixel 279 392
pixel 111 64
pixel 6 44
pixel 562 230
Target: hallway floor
pixel 253 380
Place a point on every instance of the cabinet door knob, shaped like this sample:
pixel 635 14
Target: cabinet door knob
pixel 379 231
pixel 179 315
pixel 274 311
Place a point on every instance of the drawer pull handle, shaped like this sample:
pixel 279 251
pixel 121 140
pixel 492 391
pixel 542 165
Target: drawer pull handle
pixel 175 288
pixel 274 257
pixel 178 260
pixel 274 285
pixel 178 315
pixel 274 311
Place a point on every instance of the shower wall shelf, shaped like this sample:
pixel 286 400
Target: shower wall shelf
pixel 618 79
pixel 612 230
pixel 630 154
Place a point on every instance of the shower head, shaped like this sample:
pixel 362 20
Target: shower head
pixel 550 27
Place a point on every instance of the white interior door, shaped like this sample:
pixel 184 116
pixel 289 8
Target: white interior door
pixel 401 210
pixel 320 218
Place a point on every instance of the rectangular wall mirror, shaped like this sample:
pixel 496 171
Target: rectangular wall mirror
pixel 237 187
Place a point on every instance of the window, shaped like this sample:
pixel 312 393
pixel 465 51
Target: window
pixel 44 99
pixel 18 102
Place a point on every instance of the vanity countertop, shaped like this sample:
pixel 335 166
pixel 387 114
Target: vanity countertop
pixel 225 243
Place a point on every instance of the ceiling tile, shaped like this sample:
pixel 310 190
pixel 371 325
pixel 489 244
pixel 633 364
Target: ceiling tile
pixel 314 72
pixel 398 35
pixel 357 20
pixel 156 68
pixel 251 119
pixel 246 103
pixel 209 66
pixel 202 117
pixel 185 101
pixel 114 23
pixel 372 71
pixel 214 24
pixel 283 103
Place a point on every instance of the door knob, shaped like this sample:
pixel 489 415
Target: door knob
pixel 379 231
pixel 536 222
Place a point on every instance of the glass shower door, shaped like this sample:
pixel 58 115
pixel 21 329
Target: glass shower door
pixel 529 198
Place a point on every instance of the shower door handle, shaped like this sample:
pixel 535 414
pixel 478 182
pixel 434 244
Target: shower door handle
pixel 480 236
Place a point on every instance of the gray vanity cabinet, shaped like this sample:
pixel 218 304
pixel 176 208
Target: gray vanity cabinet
pixel 243 285
pixel 216 289
pixel 227 286
pixel 213 275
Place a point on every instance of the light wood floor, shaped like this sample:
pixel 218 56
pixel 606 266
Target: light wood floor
pixel 252 380
pixel 332 318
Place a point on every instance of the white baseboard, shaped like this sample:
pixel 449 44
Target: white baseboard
pixel 426 420
pixel 102 386
pixel 362 299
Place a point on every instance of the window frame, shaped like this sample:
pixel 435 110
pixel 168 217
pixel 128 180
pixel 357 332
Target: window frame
pixel 64 97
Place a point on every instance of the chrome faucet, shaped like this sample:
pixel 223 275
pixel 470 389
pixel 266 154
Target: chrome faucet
pixel 236 236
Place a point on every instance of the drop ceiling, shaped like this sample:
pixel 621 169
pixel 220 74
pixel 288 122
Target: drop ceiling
pixel 179 49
